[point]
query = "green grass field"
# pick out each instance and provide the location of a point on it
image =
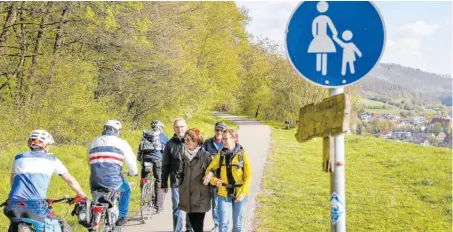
(384, 111)
(390, 186)
(371, 103)
(75, 159)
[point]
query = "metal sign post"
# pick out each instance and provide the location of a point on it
(337, 180)
(334, 44)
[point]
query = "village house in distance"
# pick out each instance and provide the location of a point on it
(417, 129)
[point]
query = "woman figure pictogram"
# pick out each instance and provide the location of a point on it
(322, 43)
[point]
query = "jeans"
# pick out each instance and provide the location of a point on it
(226, 205)
(215, 206)
(34, 212)
(125, 196)
(177, 213)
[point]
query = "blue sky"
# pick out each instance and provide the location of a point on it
(419, 34)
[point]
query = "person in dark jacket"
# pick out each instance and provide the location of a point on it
(171, 166)
(214, 145)
(150, 153)
(194, 196)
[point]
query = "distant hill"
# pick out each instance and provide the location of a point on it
(393, 81)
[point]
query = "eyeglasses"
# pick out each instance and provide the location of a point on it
(226, 139)
(219, 130)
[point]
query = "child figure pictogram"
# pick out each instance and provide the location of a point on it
(349, 51)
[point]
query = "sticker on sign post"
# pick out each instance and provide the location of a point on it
(336, 208)
(335, 44)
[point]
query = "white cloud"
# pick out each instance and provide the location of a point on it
(268, 19)
(418, 29)
(405, 46)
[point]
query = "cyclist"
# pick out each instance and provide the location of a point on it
(30, 177)
(106, 156)
(150, 150)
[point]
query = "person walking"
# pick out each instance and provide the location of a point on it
(171, 166)
(231, 172)
(214, 145)
(194, 196)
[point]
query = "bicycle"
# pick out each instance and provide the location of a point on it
(148, 199)
(31, 225)
(105, 210)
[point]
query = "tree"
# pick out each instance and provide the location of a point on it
(81, 62)
(438, 128)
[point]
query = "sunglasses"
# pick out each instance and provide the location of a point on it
(219, 130)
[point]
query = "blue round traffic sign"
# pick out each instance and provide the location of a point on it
(335, 44)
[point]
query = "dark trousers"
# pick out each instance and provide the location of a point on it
(197, 221)
(157, 173)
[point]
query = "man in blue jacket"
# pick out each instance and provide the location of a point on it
(150, 153)
(107, 154)
(214, 145)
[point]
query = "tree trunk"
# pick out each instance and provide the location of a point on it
(58, 39)
(34, 58)
(10, 19)
(19, 70)
(257, 110)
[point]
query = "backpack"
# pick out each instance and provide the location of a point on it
(151, 141)
(240, 164)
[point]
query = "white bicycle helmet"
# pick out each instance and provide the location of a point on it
(157, 124)
(40, 139)
(115, 124)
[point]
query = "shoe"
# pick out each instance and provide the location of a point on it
(159, 210)
(189, 230)
(215, 229)
(121, 221)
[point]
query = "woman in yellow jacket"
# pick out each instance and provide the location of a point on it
(231, 172)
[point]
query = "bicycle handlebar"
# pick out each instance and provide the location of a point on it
(65, 199)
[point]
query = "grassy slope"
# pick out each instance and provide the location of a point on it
(75, 159)
(372, 103)
(390, 186)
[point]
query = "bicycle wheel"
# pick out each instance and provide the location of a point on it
(146, 202)
(104, 225)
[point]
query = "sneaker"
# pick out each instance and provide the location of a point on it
(121, 221)
(189, 230)
(215, 229)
